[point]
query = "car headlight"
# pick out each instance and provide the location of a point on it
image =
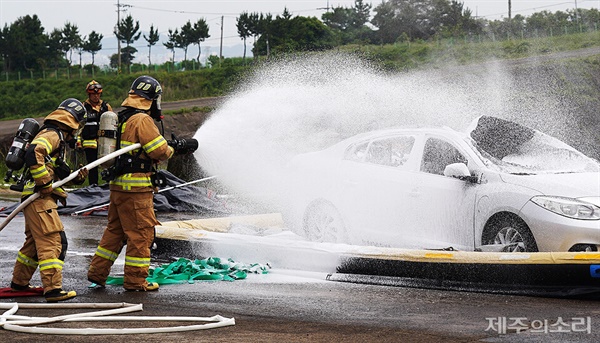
(568, 207)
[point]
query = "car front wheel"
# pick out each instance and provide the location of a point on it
(323, 223)
(512, 234)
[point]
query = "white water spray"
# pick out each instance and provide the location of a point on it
(307, 103)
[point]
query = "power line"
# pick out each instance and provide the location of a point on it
(536, 8)
(181, 12)
(223, 13)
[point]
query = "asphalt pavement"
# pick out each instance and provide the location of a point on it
(299, 304)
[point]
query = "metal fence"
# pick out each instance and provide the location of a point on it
(76, 72)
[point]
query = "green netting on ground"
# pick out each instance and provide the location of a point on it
(187, 271)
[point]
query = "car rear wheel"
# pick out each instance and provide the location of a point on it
(323, 223)
(512, 233)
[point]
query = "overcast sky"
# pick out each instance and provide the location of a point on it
(101, 15)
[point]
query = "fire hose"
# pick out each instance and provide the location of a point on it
(12, 322)
(67, 179)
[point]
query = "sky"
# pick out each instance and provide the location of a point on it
(101, 16)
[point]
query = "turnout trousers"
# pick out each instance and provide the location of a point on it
(45, 245)
(90, 156)
(131, 221)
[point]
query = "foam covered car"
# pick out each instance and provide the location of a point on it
(497, 186)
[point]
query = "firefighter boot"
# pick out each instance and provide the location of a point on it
(59, 294)
(149, 287)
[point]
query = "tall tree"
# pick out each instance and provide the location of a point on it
(254, 27)
(55, 48)
(3, 46)
(200, 34)
(127, 32)
(127, 55)
(302, 34)
(93, 44)
(340, 20)
(71, 40)
(25, 41)
(172, 42)
(265, 27)
(186, 38)
(152, 39)
(80, 50)
(361, 13)
(243, 28)
(419, 19)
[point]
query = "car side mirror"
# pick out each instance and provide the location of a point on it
(459, 171)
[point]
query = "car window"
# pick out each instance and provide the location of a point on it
(357, 152)
(438, 154)
(393, 151)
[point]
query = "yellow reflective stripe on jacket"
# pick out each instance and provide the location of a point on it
(28, 189)
(39, 172)
(128, 180)
(52, 263)
(137, 261)
(26, 260)
(107, 254)
(89, 144)
(154, 144)
(125, 144)
(43, 141)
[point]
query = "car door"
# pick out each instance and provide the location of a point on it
(444, 205)
(376, 189)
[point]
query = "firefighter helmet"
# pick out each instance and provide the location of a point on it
(146, 87)
(93, 87)
(75, 107)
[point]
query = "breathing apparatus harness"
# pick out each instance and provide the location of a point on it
(15, 158)
(127, 163)
(61, 169)
(90, 129)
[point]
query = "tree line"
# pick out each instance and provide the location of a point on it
(24, 45)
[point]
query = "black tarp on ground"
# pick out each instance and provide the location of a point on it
(188, 198)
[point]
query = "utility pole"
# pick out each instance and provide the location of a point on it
(118, 40)
(325, 8)
(117, 30)
(221, 47)
(509, 10)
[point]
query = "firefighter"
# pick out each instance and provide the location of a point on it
(88, 140)
(131, 217)
(45, 240)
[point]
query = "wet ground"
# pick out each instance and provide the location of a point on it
(299, 305)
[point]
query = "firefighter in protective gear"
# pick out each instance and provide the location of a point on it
(88, 139)
(131, 218)
(45, 240)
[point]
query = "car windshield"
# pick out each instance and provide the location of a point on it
(517, 149)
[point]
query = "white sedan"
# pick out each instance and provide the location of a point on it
(499, 186)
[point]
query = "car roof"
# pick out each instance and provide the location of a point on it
(442, 130)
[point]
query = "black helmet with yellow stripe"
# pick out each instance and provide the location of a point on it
(146, 87)
(75, 107)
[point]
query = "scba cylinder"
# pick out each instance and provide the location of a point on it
(15, 158)
(107, 136)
